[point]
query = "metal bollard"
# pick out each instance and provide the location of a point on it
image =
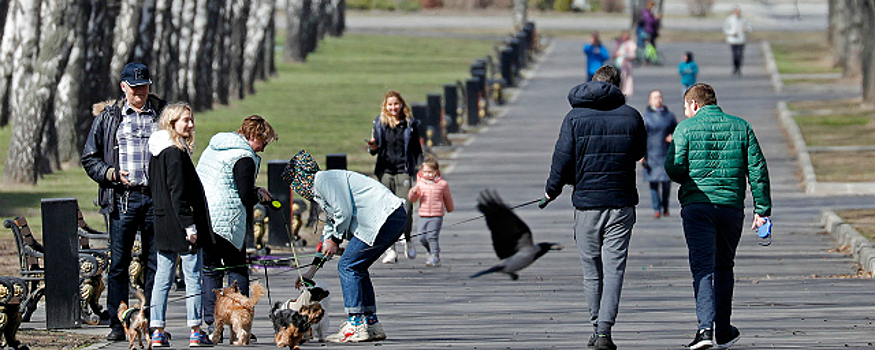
(420, 111)
(472, 88)
(434, 122)
(451, 104)
(507, 66)
(61, 262)
(283, 193)
(335, 161)
(524, 49)
(515, 45)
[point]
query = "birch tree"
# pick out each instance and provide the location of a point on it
(7, 52)
(867, 9)
(67, 106)
(256, 23)
(519, 14)
(124, 37)
(297, 12)
(26, 124)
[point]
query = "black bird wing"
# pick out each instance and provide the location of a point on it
(509, 232)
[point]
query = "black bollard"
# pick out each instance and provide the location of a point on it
(420, 111)
(451, 104)
(279, 236)
(524, 49)
(514, 44)
(472, 88)
(507, 66)
(335, 161)
(61, 262)
(434, 128)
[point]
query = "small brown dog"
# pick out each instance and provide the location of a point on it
(291, 326)
(237, 311)
(135, 322)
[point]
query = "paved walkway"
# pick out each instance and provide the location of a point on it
(785, 297)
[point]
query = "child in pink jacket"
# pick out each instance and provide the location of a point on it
(435, 194)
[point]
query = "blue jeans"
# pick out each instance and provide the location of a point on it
(712, 233)
(358, 292)
(660, 200)
(602, 236)
(133, 213)
(164, 278)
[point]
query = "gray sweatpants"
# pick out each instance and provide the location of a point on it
(429, 230)
(602, 237)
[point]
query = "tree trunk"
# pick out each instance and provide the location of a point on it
(840, 22)
(185, 47)
(520, 15)
(145, 33)
(160, 63)
(7, 52)
(26, 123)
(338, 23)
(220, 54)
(312, 27)
(209, 12)
(293, 49)
(867, 9)
(67, 106)
(239, 14)
(124, 38)
(854, 41)
(267, 66)
(97, 84)
(259, 18)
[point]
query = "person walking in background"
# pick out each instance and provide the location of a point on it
(614, 139)
(395, 141)
(182, 222)
(660, 124)
(711, 156)
(363, 212)
(735, 27)
(228, 168)
(434, 192)
(649, 23)
(116, 156)
(625, 56)
(596, 55)
(688, 69)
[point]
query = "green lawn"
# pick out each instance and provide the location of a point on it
(808, 54)
(325, 105)
(840, 129)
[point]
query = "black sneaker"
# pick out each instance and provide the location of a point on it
(116, 335)
(727, 338)
(604, 342)
(704, 339)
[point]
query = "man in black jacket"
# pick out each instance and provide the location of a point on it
(116, 156)
(600, 141)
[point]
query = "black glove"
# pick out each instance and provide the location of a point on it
(544, 201)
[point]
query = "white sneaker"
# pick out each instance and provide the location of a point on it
(410, 249)
(390, 257)
(375, 331)
(351, 334)
(433, 261)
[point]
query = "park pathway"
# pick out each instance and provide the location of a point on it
(791, 295)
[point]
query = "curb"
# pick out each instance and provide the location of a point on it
(861, 248)
(799, 145)
(97, 346)
(772, 67)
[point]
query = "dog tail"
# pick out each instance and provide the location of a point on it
(141, 297)
(257, 292)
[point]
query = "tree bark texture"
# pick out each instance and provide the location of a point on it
(68, 110)
(854, 41)
(256, 25)
(7, 51)
(294, 47)
(867, 9)
(26, 124)
(520, 15)
(124, 37)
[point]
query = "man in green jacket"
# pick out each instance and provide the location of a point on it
(711, 155)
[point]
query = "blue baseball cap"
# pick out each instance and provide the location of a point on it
(136, 74)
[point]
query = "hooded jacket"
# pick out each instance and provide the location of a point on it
(101, 147)
(180, 205)
(435, 196)
(412, 147)
(600, 141)
(215, 167)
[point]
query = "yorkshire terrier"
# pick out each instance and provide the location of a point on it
(237, 311)
(315, 294)
(291, 327)
(135, 322)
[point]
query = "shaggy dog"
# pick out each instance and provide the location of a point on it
(135, 322)
(237, 311)
(317, 293)
(292, 326)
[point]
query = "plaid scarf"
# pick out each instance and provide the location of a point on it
(299, 174)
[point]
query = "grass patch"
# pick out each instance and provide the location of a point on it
(863, 220)
(833, 105)
(844, 166)
(803, 55)
(841, 129)
(325, 105)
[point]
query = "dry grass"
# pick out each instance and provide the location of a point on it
(49, 340)
(845, 128)
(844, 166)
(863, 220)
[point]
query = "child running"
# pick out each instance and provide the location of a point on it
(435, 194)
(688, 69)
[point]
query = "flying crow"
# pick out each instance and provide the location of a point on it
(511, 237)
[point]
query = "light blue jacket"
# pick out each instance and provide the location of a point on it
(216, 170)
(688, 72)
(356, 205)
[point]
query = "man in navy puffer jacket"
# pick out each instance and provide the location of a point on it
(600, 141)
